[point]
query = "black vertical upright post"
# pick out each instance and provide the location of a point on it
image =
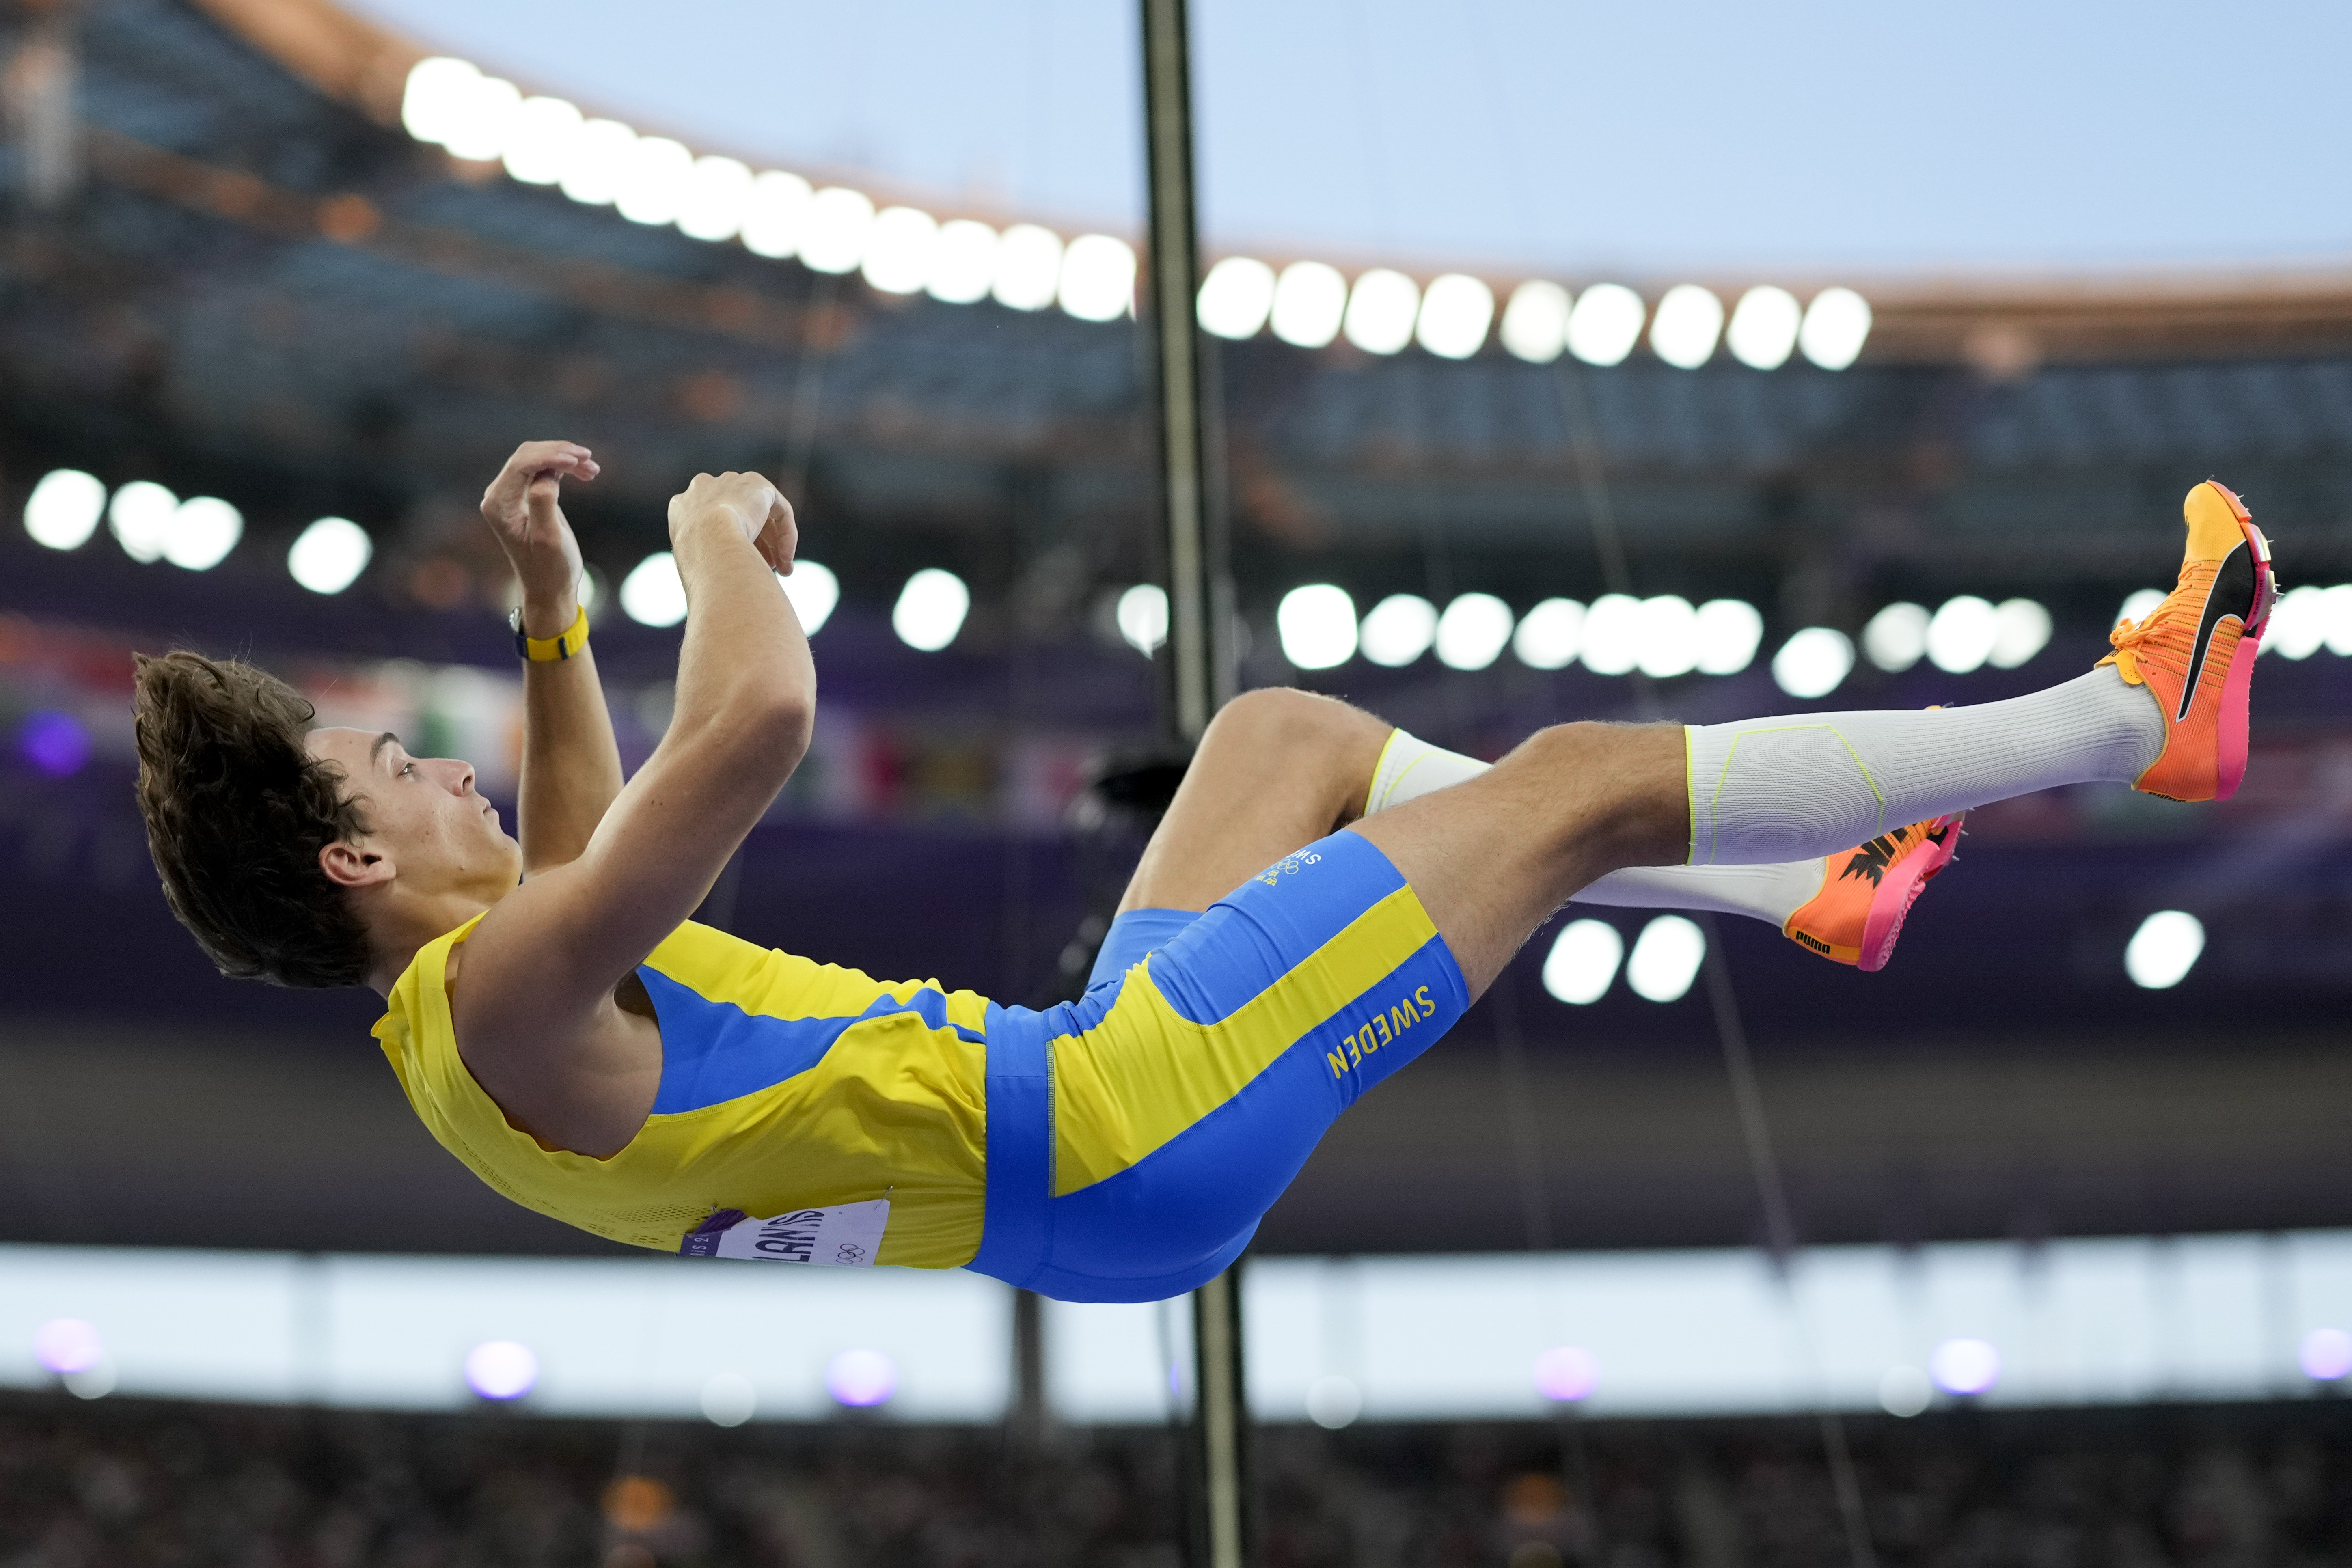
(1195, 681)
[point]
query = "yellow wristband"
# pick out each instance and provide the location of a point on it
(547, 650)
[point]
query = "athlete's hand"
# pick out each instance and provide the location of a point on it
(746, 503)
(524, 509)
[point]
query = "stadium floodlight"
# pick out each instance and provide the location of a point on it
(1455, 312)
(651, 188)
(2140, 604)
(2164, 950)
(899, 250)
(861, 1379)
(1605, 324)
(1583, 961)
(1550, 636)
(2325, 1355)
(479, 118)
(840, 220)
(1316, 625)
(1398, 630)
(1142, 618)
(931, 609)
(1688, 321)
(1964, 1366)
(1097, 278)
(1612, 633)
(140, 518)
(1382, 309)
(2021, 629)
(432, 102)
(1236, 297)
(715, 197)
(65, 508)
(1896, 638)
(2338, 619)
(1567, 1374)
(653, 594)
(814, 591)
(1763, 330)
(328, 557)
(1727, 635)
(1028, 267)
(1334, 1402)
(599, 161)
(541, 139)
(1665, 642)
(2299, 627)
(1837, 323)
(68, 1346)
(1666, 959)
(202, 531)
(963, 265)
(1904, 1391)
(728, 1399)
(1310, 299)
(1961, 634)
(776, 214)
(1813, 663)
(1534, 323)
(501, 1369)
(1473, 630)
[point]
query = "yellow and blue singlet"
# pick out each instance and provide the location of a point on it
(1121, 1147)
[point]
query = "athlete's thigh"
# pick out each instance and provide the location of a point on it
(1276, 771)
(1492, 858)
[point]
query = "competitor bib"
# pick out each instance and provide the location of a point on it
(846, 1236)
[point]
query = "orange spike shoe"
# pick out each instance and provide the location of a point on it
(2195, 653)
(1866, 891)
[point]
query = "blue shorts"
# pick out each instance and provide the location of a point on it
(1137, 1135)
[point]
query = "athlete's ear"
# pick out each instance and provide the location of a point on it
(349, 866)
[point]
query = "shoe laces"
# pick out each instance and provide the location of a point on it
(2165, 633)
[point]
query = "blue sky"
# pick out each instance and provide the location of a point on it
(1810, 138)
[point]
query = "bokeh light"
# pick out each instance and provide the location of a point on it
(1836, 325)
(1316, 625)
(1567, 1374)
(2325, 1355)
(1236, 297)
(1097, 278)
(2164, 950)
(728, 1399)
(931, 609)
(1689, 320)
(1763, 330)
(1896, 638)
(1310, 299)
(68, 1346)
(64, 509)
(815, 591)
(1398, 630)
(1381, 310)
(1455, 313)
(55, 743)
(1583, 961)
(861, 1379)
(1813, 663)
(328, 557)
(501, 1369)
(1550, 634)
(653, 595)
(1473, 631)
(1605, 324)
(1666, 959)
(1534, 323)
(1967, 1367)
(1142, 614)
(1334, 1402)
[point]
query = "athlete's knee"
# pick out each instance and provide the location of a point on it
(1613, 779)
(1280, 718)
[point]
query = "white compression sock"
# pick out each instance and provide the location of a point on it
(1410, 767)
(1792, 788)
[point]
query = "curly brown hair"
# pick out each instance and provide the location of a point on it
(238, 811)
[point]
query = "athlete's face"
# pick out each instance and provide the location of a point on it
(423, 815)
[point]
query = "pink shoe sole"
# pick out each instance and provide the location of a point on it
(1900, 890)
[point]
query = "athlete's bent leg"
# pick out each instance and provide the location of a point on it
(1278, 769)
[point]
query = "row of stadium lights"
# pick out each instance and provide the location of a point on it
(73, 1351)
(1587, 955)
(653, 180)
(1663, 637)
(505, 1371)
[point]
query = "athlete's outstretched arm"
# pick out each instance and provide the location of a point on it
(571, 765)
(536, 1018)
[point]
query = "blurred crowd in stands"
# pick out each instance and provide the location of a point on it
(126, 1484)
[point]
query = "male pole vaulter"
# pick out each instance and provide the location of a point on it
(1324, 898)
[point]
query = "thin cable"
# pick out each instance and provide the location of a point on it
(1731, 1031)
